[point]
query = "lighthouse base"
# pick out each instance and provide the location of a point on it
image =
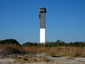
(42, 35)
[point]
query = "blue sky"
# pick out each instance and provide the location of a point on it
(65, 20)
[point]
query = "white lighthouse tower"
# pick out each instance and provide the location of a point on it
(42, 12)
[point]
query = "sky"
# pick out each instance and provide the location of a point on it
(65, 20)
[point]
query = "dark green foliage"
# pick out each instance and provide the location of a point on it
(30, 44)
(9, 41)
(54, 44)
(27, 44)
(47, 44)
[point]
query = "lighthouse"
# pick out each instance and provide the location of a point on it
(42, 12)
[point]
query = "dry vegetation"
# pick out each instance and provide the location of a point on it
(49, 51)
(59, 50)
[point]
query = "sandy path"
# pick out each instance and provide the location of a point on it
(56, 60)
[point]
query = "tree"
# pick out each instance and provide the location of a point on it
(9, 41)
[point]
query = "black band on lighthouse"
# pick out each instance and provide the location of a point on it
(42, 20)
(42, 12)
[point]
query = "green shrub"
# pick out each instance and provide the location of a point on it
(52, 53)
